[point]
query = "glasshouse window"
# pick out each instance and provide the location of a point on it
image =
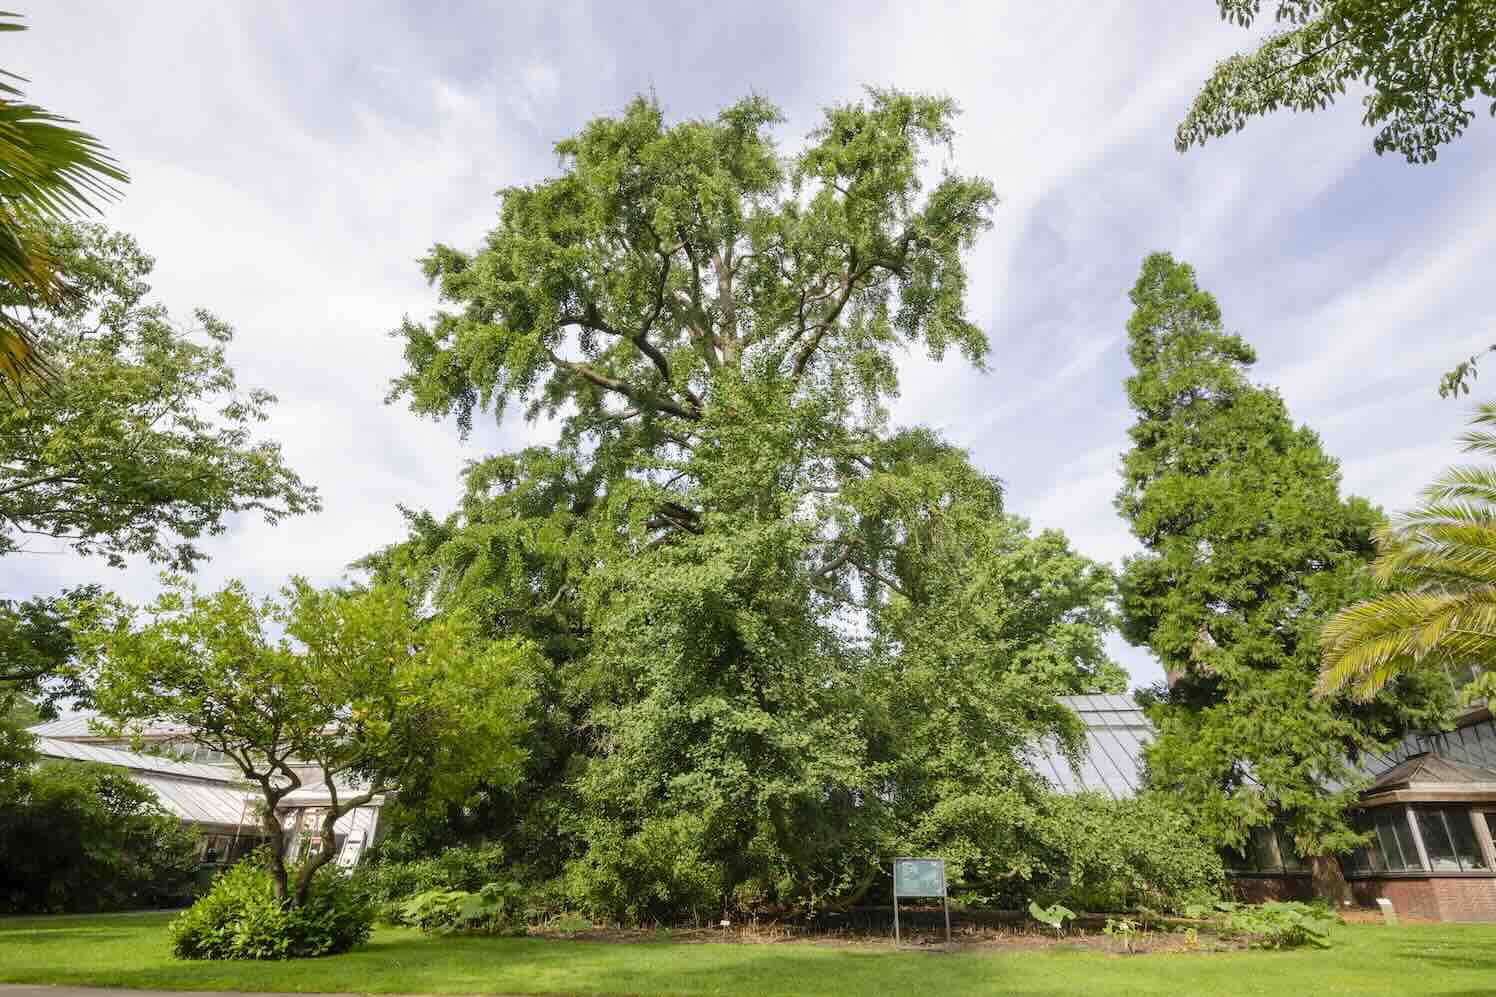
(1449, 838)
(1395, 838)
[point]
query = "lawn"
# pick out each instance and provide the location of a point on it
(131, 951)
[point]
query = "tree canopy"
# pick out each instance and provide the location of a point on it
(1424, 62)
(784, 640)
(1248, 548)
(147, 442)
(354, 683)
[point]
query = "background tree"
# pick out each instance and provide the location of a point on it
(48, 172)
(1436, 566)
(147, 443)
(1248, 550)
(85, 837)
(352, 682)
(1424, 61)
(728, 557)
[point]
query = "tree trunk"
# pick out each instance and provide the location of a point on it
(1329, 880)
(276, 859)
(323, 856)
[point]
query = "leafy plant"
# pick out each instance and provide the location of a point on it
(1055, 916)
(1277, 924)
(490, 910)
(1122, 928)
(241, 918)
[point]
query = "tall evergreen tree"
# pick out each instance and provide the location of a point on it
(1249, 548)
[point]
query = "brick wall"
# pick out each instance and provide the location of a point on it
(1466, 899)
(1444, 898)
(1257, 889)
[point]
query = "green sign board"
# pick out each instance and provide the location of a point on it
(919, 877)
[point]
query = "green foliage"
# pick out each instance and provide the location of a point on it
(1436, 566)
(1099, 854)
(1248, 550)
(1276, 924)
(384, 882)
(783, 642)
(240, 917)
(355, 682)
(664, 871)
(85, 837)
(1424, 61)
(146, 442)
(1055, 916)
(36, 647)
(1123, 928)
(48, 171)
(495, 908)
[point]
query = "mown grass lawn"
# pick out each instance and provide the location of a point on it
(131, 951)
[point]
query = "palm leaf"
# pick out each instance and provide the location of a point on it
(48, 170)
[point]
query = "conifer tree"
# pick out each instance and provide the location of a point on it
(1249, 548)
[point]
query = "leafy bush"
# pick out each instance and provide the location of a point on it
(1096, 853)
(386, 884)
(85, 837)
(658, 873)
(240, 918)
(494, 909)
(1278, 924)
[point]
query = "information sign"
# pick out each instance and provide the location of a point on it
(919, 877)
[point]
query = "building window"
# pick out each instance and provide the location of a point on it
(1449, 838)
(1268, 851)
(1391, 848)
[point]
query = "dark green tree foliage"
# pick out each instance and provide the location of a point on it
(84, 837)
(778, 634)
(36, 646)
(1424, 62)
(1248, 549)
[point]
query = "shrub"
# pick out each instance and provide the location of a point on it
(385, 883)
(240, 918)
(85, 837)
(1099, 854)
(494, 909)
(658, 873)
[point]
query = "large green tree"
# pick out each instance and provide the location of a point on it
(755, 597)
(147, 441)
(1423, 62)
(355, 684)
(1248, 548)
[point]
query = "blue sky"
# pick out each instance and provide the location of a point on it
(291, 161)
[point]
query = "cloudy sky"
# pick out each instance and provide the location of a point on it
(290, 161)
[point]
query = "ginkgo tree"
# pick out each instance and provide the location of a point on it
(354, 683)
(763, 606)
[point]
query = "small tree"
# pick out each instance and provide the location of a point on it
(353, 682)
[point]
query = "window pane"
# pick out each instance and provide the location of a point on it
(1265, 850)
(1291, 860)
(1387, 838)
(1436, 840)
(1466, 845)
(1404, 833)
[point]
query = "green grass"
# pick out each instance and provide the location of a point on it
(131, 951)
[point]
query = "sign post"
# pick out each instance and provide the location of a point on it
(919, 877)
